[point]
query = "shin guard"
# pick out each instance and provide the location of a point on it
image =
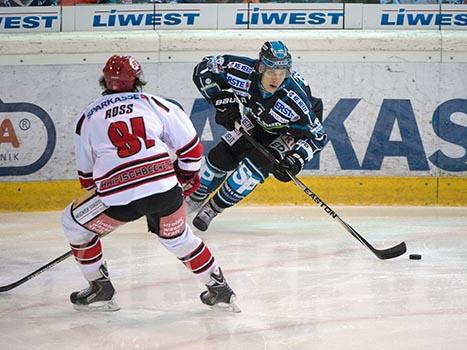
(211, 178)
(238, 185)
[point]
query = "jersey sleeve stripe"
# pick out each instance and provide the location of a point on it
(160, 104)
(79, 124)
(188, 147)
(87, 183)
(192, 152)
(84, 175)
(86, 180)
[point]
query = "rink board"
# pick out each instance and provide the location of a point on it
(340, 190)
(395, 109)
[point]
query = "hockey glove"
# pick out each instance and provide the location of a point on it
(188, 179)
(292, 163)
(227, 109)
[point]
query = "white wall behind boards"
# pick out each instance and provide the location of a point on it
(395, 102)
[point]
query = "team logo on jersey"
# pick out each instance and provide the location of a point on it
(214, 63)
(277, 117)
(284, 109)
(244, 94)
(298, 101)
(297, 76)
(271, 127)
(238, 83)
(241, 67)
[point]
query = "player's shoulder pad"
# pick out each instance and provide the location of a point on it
(87, 113)
(298, 96)
(167, 104)
(240, 64)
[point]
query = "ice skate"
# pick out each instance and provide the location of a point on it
(219, 294)
(192, 205)
(99, 296)
(204, 217)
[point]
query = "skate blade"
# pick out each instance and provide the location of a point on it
(99, 306)
(232, 307)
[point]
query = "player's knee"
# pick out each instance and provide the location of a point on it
(253, 170)
(183, 244)
(220, 156)
(242, 181)
(170, 225)
(258, 163)
(68, 224)
(75, 233)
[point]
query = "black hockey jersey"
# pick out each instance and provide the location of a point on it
(288, 110)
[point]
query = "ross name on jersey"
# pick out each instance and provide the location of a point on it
(117, 110)
(110, 101)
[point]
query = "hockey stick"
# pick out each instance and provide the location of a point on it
(35, 273)
(382, 254)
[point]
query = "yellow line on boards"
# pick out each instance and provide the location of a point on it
(337, 190)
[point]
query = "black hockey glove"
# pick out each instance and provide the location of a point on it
(292, 163)
(227, 109)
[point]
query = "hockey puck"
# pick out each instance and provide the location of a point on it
(415, 257)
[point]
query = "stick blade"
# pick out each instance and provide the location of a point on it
(8, 287)
(392, 252)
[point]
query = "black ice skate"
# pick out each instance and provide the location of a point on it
(204, 217)
(99, 296)
(192, 205)
(219, 294)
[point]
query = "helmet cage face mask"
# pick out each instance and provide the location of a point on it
(121, 72)
(275, 55)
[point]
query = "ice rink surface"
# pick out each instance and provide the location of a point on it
(303, 282)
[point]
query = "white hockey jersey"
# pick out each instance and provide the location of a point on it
(122, 144)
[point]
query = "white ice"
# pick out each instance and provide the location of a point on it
(303, 282)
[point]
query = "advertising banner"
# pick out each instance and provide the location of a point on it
(415, 16)
(169, 16)
(397, 119)
(291, 16)
(30, 19)
(145, 17)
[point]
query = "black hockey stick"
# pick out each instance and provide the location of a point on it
(35, 273)
(383, 254)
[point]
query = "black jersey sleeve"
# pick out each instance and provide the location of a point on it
(216, 73)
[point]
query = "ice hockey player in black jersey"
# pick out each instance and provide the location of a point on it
(274, 104)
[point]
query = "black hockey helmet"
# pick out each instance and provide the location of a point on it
(274, 55)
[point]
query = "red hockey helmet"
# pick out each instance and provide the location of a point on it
(120, 73)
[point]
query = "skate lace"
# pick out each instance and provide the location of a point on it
(220, 293)
(85, 291)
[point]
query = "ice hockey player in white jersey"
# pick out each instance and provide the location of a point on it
(284, 117)
(122, 144)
